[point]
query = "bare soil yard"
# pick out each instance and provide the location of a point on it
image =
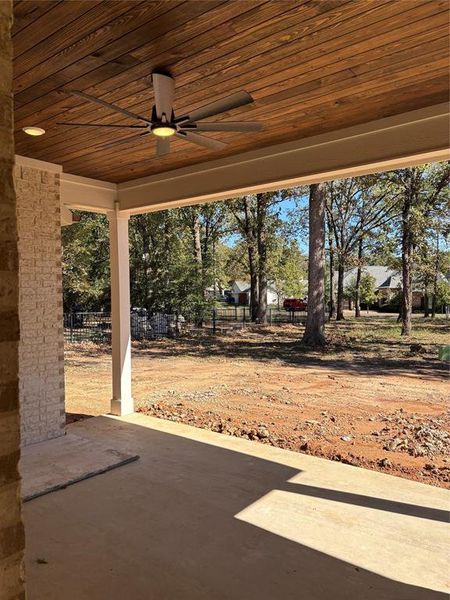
(370, 398)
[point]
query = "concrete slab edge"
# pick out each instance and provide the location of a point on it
(94, 473)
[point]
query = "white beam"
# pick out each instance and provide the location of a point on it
(122, 401)
(393, 142)
(83, 193)
(67, 217)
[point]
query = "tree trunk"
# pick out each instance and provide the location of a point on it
(262, 201)
(331, 304)
(426, 308)
(315, 319)
(198, 256)
(340, 290)
(406, 311)
(253, 282)
(196, 235)
(252, 260)
(434, 298)
(358, 281)
(435, 280)
(146, 254)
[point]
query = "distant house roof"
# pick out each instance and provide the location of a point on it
(240, 286)
(385, 277)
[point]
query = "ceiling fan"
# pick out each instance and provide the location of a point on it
(164, 124)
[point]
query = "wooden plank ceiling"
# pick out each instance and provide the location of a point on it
(311, 65)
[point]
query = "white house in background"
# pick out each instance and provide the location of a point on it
(215, 291)
(240, 292)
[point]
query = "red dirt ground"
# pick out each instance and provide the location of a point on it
(367, 399)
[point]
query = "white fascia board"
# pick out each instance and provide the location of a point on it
(408, 139)
(83, 193)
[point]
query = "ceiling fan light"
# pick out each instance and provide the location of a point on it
(163, 130)
(34, 131)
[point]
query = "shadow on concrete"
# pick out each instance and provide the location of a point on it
(402, 508)
(165, 528)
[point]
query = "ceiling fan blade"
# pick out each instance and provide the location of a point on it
(201, 140)
(220, 106)
(102, 125)
(162, 146)
(164, 88)
(226, 126)
(127, 140)
(113, 107)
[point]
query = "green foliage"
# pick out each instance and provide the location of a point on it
(288, 268)
(176, 258)
(231, 263)
(86, 264)
(424, 190)
(443, 293)
(367, 290)
(163, 271)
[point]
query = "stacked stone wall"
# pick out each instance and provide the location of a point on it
(41, 347)
(11, 528)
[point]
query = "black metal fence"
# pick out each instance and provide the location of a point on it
(87, 327)
(241, 314)
(96, 326)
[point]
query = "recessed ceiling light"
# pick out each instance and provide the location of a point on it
(34, 130)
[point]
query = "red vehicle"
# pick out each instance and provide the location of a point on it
(293, 304)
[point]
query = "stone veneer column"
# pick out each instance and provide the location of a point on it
(11, 528)
(41, 348)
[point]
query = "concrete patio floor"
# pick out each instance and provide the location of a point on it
(208, 517)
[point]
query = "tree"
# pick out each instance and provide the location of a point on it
(356, 208)
(315, 320)
(431, 259)
(358, 280)
(287, 267)
(85, 262)
(423, 190)
(257, 219)
(204, 224)
(363, 290)
(177, 256)
(331, 265)
(162, 270)
(231, 262)
(244, 214)
(262, 204)
(367, 291)
(443, 293)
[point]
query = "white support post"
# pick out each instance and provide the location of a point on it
(122, 401)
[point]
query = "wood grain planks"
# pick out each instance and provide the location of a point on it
(310, 66)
